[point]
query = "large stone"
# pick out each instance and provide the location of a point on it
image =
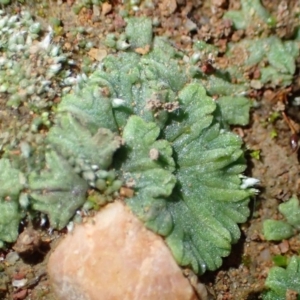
(113, 256)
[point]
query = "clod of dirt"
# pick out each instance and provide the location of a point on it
(28, 242)
(115, 256)
(167, 7)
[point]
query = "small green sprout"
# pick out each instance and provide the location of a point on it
(246, 260)
(272, 22)
(255, 154)
(280, 260)
(273, 117)
(273, 133)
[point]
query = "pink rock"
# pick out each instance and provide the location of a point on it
(113, 256)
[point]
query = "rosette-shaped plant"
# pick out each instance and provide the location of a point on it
(177, 155)
(144, 122)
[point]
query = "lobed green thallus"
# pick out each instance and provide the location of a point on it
(146, 122)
